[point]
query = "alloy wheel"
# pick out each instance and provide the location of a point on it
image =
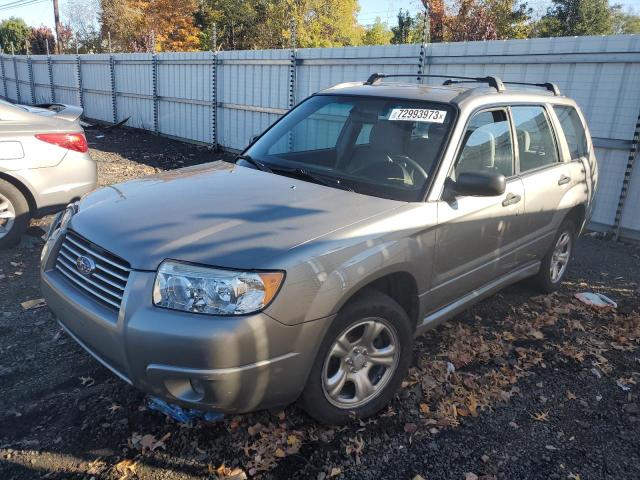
(560, 256)
(360, 363)
(7, 216)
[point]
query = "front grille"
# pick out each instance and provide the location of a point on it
(108, 280)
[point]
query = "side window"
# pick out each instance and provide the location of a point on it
(487, 145)
(573, 131)
(536, 143)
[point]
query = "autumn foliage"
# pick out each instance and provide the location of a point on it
(138, 25)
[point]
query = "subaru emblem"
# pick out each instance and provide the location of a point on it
(85, 265)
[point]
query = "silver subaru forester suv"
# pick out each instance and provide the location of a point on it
(369, 213)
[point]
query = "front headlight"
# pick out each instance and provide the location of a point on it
(191, 288)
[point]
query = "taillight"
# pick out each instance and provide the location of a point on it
(71, 141)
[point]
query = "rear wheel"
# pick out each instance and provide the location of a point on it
(14, 214)
(361, 361)
(556, 261)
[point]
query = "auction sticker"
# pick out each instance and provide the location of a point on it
(418, 115)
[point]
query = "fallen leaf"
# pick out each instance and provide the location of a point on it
(334, 472)
(280, 453)
(470, 476)
(410, 427)
(125, 467)
(33, 304)
(570, 395)
(424, 408)
(236, 473)
(541, 416)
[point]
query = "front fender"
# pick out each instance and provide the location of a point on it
(331, 270)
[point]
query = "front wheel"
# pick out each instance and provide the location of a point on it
(556, 261)
(361, 362)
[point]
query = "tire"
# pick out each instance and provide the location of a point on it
(370, 315)
(14, 215)
(545, 280)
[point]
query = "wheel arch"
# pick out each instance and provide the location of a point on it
(577, 215)
(24, 190)
(401, 286)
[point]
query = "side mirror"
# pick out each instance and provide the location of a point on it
(480, 184)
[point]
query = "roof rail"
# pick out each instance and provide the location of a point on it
(494, 82)
(552, 87)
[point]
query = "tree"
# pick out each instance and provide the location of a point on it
(14, 31)
(511, 18)
(576, 17)
(472, 21)
(624, 22)
(436, 19)
(82, 17)
(377, 34)
(136, 25)
(39, 39)
(251, 24)
(407, 30)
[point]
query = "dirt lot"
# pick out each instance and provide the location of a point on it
(521, 386)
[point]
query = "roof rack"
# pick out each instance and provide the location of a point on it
(492, 81)
(552, 87)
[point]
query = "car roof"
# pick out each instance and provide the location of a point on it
(456, 93)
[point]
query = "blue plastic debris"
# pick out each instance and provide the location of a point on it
(182, 415)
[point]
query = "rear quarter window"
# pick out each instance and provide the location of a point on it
(573, 130)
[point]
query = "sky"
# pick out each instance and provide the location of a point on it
(40, 12)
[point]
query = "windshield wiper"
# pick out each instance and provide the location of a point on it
(259, 165)
(303, 174)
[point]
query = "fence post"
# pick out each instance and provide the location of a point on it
(79, 75)
(31, 84)
(15, 75)
(633, 152)
(214, 92)
(154, 86)
(112, 71)
(292, 67)
(52, 88)
(292, 76)
(4, 76)
(422, 61)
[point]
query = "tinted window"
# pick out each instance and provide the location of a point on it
(487, 145)
(573, 131)
(536, 144)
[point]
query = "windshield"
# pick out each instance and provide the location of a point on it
(376, 146)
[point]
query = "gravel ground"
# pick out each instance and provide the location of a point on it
(521, 386)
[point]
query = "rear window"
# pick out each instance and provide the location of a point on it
(573, 130)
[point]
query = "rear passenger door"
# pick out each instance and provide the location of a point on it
(577, 146)
(545, 177)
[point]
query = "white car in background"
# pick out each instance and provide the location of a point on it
(44, 164)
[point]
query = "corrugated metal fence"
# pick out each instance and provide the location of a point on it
(224, 98)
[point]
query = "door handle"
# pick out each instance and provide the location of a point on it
(564, 180)
(511, 199)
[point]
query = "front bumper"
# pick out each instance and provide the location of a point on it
(228, 364)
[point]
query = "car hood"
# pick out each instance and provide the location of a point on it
(217, 214)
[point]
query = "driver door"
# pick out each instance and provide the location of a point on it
(477, 237)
